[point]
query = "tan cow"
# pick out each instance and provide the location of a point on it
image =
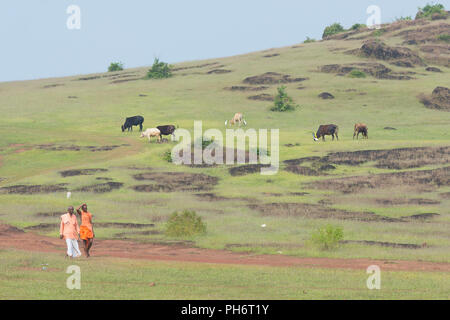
(237, 119)
(152, 132)
(360, 128)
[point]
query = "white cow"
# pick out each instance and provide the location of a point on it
(152, 132)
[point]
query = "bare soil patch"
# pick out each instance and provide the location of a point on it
(175, 181)
(218, 71)
(315, 211)
(54, 147)
(433, 69)
(421, 180)
(413, 201)
(326, 95)
(124, 225)
(101, 187)
(304, 171)
(81, 172)
(196, 66)
(125, 80)
(272, 78)
(53, 85)
(385, 244)
(183, 251)
(33, 189)
(271, 55)
(246, 88)
(211, 197)
(425, 34)
(262, 97)
(374, 69)
(439, 99)
(421, 216)
(381, 51)
(389, 128)
(246, 169)
(402, 158)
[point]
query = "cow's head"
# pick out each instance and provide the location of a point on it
(142, 135)
(123, 128)
(316, 136)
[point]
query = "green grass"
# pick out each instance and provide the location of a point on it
(34, 115)
(22, 277)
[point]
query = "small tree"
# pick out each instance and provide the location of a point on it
(185, 224)
(357, 26)
(328, 237)
(309, 40)
(431, 9)
(282, 101)
(333, 29)
(159, 70)
(115, 66)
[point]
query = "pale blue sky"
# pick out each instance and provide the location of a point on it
(35, 41)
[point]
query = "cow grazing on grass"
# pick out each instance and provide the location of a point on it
(360, 128)
(326, 129)
(167, 130)
(133, 121)
(237, 119)
(152, 132)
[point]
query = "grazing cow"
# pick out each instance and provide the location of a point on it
(360, 128)
(237, 118)
(133, 121)
(152, 132)
(326, 129)
(166, 130)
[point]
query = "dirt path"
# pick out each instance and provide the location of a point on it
(11, 237)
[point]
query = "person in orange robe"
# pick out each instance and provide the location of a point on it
(86, 228)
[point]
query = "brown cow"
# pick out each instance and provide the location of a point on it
(360, 128)
(237, 118)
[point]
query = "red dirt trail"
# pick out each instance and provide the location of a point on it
(11, 237)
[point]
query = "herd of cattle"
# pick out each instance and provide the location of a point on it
(324, 130)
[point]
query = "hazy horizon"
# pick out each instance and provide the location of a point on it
(38, 44)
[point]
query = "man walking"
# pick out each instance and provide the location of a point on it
(69, 231)
(86, 228)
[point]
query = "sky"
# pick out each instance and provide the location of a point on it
(35, 41)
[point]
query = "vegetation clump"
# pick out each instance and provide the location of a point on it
(159, 70)
(432, 11)
(332, 29)
(355, 73)
(357, 26)
(115, 66)
(185, 224)
(282, 101)
(328, 237)
(309, 40)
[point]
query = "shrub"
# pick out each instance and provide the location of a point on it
(357, 26)
(431, 9)
(282, 101)
(168, 156)
(185, 224)
(378, 32)
(403, 18)
(444, 37)
(115, 66)
(309, 40)
(159, 70)
(328, 237)
(355, 73)
(333, 29)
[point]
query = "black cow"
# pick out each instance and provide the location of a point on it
(326, 129)
(133, 121)
(166, 130)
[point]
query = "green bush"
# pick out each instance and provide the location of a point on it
(115, 66)
(185, 224)
(168, 156)
(357, 26)
(378, 32)
(282, 101)
(328, 237)
(159, 70)
(309, 40)
(431, 9)
(403, 18)
(355, 73)
(333, 29)
(444, 37)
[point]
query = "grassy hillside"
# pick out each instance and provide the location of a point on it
(53, 125)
